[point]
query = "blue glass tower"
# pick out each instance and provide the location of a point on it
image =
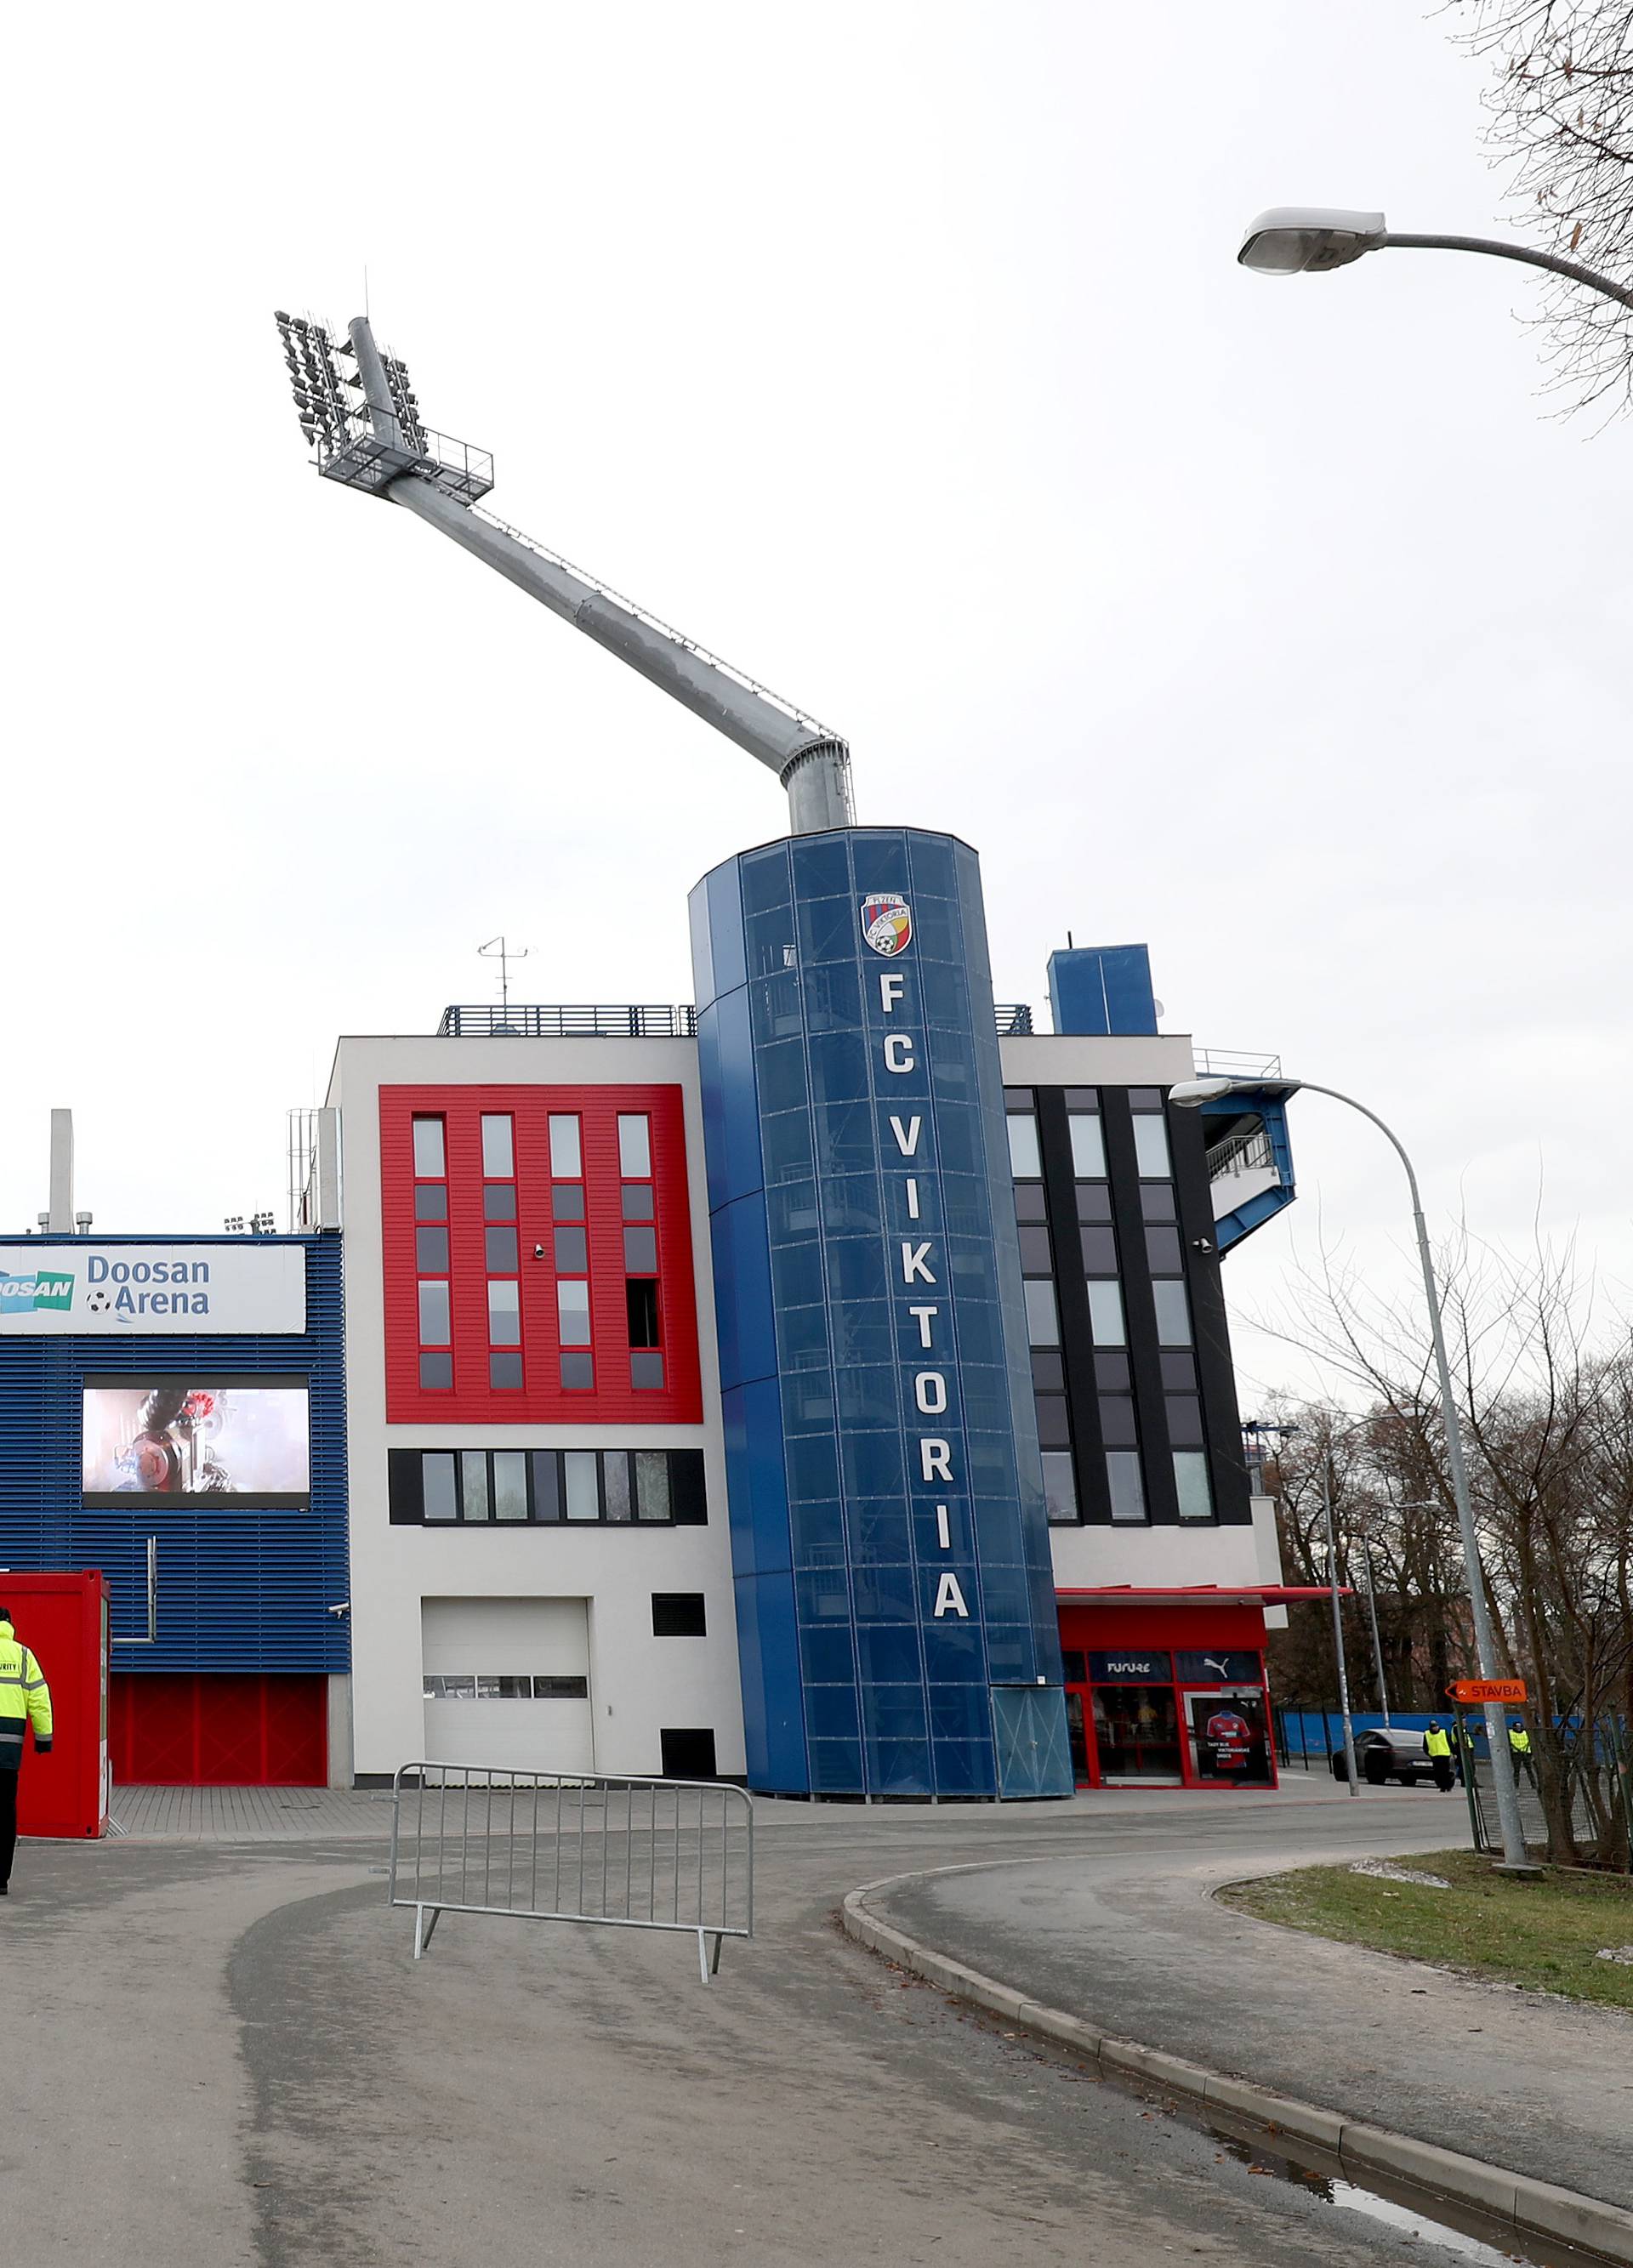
(895, 1596)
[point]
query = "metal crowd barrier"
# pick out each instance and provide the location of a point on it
(668, 1854)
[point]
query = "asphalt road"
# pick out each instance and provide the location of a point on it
(1132, 1941)
(222, 2054)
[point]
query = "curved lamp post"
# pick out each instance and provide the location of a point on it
(1308, 240)
(1189, 1094)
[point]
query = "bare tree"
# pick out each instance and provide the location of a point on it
(1560, 126)
(1547, 1422)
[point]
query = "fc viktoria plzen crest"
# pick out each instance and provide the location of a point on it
(887, 923)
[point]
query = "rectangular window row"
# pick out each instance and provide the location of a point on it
(479, 1688)
(479, 1487)
(568, 1250)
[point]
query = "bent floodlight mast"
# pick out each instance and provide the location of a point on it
(361, 414)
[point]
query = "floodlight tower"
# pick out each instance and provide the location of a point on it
(360, 412)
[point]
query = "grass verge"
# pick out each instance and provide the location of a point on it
(1544, 1936)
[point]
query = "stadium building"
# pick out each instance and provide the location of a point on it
(826, 1385)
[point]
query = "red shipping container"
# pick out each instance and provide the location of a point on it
(63, 1621)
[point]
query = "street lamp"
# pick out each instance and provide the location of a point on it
(1308, 239)
(1191, 1095)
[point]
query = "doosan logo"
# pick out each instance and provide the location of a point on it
(42, 1292)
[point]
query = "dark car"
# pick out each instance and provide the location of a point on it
(1384, 1755)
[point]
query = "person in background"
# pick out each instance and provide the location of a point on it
(1519, 1749)
(24, 1700)
(1437, 1749)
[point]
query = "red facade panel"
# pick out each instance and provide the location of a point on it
(201, 1730)
(542, 1397)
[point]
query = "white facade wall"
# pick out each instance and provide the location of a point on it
(638, 1684)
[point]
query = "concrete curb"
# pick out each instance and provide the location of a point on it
(1519, 2198)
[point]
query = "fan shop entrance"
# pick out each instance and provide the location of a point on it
(1140, 1714)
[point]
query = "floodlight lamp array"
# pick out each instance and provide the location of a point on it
(405, 404)
(321, 387)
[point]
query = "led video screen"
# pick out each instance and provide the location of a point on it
(197, 1438)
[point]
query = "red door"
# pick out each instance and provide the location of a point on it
(196, 1729)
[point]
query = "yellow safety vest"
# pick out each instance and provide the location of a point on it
(24, 1700)
(1436, 1744)
(1520, 1740)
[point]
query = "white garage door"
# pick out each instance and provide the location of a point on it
(507, 1683)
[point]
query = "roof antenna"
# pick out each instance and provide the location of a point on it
(496, 949)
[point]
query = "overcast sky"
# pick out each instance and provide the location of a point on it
(897, 352)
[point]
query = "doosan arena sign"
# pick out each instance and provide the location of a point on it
(81, 1289)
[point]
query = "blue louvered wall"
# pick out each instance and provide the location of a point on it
(238, 1588)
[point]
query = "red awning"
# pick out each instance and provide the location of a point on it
(1200, 1595)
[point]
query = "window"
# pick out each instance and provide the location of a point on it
(504, 1372)
(566, 1204)
(1178, 1372)
(637, 1200)
(572, 1251)
(1196, 1496)
(1162, 1251)
(1099, 1249)
(1184, 1421)
(1105, 1312)
(431, 1201)
(678, 1614)
(640, 1252)
(1151, 1149)
(1088, 1148)
(1053, 1432)
(1036, 1256)
(546, 1465)
(1043, 1322)
(573, 1313)
(646, 1370)
(1060, 1486)
(431, 1251)
(499, 1201)
(1157, 1200)
(509, 1493)
(566, 1162)
(1029, 1201)
(1025, 1160)
(480, 1487)
(1118, 1428)
(652, 1485)
(501, 1250)
(498, 1155)
(1173, 1314)
(442, 1498)
(578, 1373)
(1049, 1371)
(1122, 1473)
(504, 1312)
(634, 1147)
(482, 1687)
(436, 1371)
(579, 1471)
(430, 1157)
(641, 1299)
(1111, 1372)
(434, 1314)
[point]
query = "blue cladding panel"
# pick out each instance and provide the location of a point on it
(858, 1168)
(1102, 990)
(239, 1588)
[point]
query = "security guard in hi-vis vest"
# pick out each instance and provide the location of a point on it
(1437, 1749)
(24, 1700)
